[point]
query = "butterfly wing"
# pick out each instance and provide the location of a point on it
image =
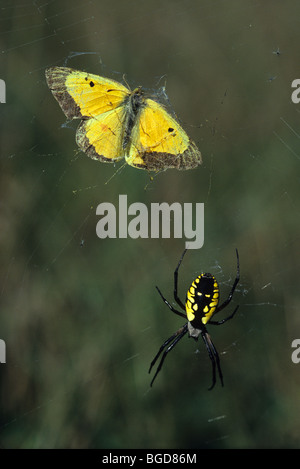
(101, 137)
(84, 95)
(101, 103)
(158, 142)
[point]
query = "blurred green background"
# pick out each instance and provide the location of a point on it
(80, 316)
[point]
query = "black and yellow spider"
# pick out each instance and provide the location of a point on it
(201, 304)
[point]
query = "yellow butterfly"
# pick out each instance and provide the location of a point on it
(118, 123)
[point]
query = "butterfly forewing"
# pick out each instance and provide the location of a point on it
(82, 94)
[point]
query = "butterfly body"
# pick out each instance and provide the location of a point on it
(134, 103)
(118, 123)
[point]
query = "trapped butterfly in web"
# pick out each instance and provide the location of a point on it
(117, 123)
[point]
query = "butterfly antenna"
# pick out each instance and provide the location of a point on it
(159, 80)
(125, 81)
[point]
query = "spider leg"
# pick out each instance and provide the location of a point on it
(169, 305)
(214, 357)
(161, 349)
(175, 338)
(237, 278)
(218, 323)
(176, 297)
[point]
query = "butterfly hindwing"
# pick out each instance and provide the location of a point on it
(101, 137)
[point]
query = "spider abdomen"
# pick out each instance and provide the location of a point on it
(202, 299)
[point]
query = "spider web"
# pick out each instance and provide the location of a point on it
(80, 316)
